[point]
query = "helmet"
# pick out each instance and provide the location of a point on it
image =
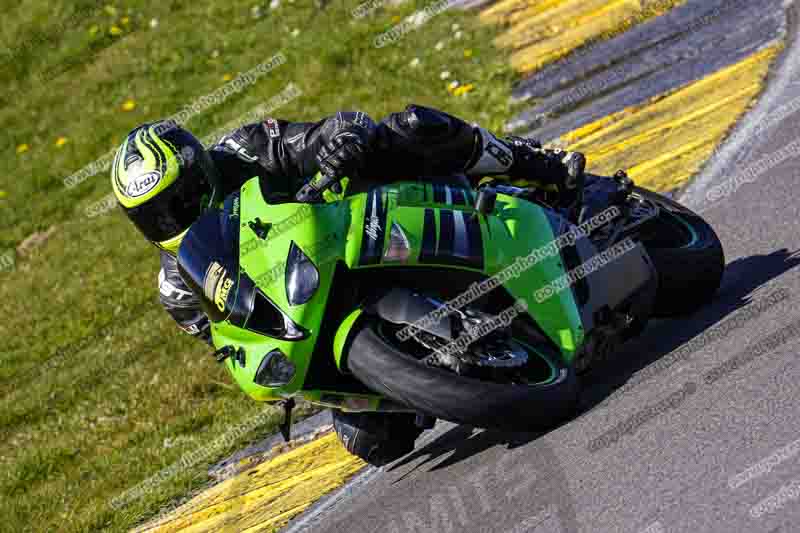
(164, 179)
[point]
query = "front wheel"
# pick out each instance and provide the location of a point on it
(545, 395)
(686, 253)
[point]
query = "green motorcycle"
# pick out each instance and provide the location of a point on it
(397, 304)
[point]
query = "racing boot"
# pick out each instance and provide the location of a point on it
(542, 169)
(559, 169)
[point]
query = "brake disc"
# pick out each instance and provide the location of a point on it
(503, 354)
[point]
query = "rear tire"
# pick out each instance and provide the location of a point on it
(446, 395)
(688, 275)
(377, 438)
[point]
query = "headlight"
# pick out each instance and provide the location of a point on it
(275, 370)
(268, 319)
(302, 277)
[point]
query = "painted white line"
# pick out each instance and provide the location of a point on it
(743, 135)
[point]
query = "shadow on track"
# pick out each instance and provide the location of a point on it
(546, 484)
(534, 480)
(742, 280)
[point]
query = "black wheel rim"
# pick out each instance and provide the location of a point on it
(539, 371)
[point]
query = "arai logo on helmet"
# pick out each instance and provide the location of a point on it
(143, 184)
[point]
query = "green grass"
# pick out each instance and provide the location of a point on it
(95, 379)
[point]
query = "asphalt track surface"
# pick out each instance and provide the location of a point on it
(685, 44)
(693, 427)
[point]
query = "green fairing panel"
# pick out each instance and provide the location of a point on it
(341, 336)
(406, 224)
(517, 228)
(447, 232)
(319, 231)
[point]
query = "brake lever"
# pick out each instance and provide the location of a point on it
(308, 194)
(312, 191)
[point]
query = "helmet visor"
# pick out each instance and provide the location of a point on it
(172, 210)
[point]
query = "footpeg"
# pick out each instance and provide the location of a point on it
(424, 421)
(625, 183)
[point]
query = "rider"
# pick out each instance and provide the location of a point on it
(164, 178)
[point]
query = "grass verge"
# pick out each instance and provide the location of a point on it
(98, 389)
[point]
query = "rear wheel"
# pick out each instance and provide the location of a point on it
(533, 395)
(687, 255)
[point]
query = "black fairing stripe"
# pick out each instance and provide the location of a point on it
(459, 198)
(475, 241)
(448, 229)
(439, 193)
(572, 260)
(428, 237)
(445, 254)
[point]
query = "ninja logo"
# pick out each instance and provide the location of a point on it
(373, 227)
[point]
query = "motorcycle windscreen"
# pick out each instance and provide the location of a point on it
(208, 261)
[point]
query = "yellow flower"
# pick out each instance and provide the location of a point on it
(61, 141)
(468, 53)
(115, 30)
(125, 21)
(3, 194)
(129, 105)
(227, 77)
(22, 148)
(396, 19)
(464, 89)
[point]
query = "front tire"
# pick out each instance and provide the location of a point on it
(687, 255)
(389, 371)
